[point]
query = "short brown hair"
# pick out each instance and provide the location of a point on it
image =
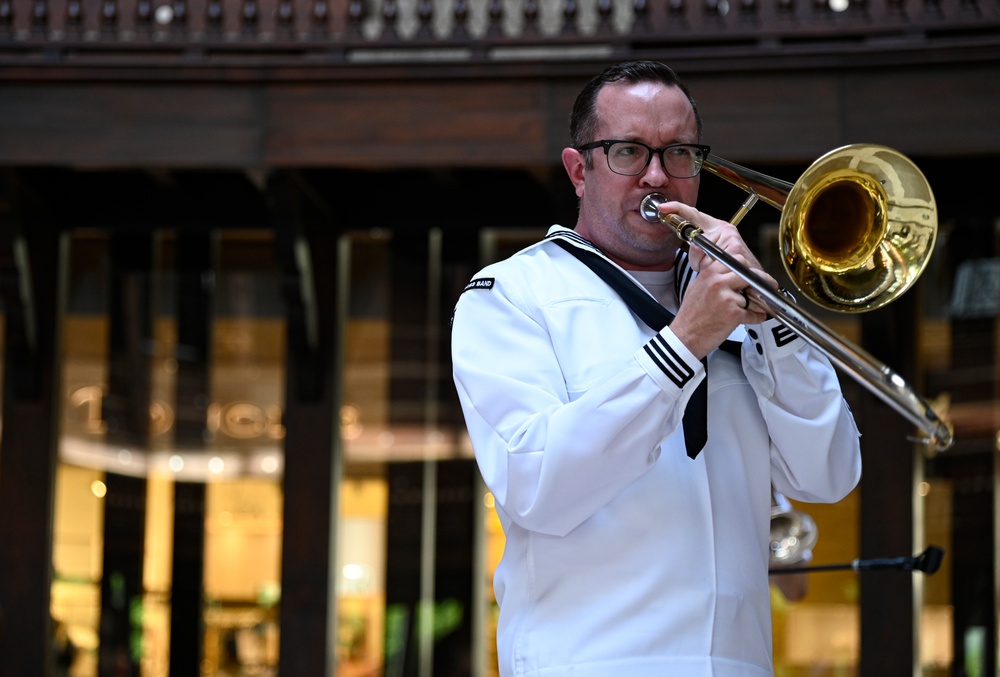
(583, 119)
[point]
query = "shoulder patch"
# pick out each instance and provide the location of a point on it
(480, 283)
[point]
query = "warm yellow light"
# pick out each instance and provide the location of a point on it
(99, 488)
(353, 572)
(269, 464)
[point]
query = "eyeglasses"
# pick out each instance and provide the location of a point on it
(630, 158)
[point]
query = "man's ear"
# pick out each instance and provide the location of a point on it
(575, 164)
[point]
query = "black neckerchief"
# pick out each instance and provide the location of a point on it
(656, 318)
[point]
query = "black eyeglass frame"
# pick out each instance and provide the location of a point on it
(607, 143)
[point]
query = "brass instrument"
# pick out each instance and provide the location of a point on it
(856, 231)
(793, 533)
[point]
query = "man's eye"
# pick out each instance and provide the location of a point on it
(626, 151)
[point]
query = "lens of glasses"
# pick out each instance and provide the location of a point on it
(680, 161)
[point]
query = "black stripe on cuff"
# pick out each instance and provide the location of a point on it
(669, 362)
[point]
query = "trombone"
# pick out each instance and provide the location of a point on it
(856, 231)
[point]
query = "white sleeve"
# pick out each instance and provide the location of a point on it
(815, 449)
(550, 458)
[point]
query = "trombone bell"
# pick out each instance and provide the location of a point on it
(857, 229)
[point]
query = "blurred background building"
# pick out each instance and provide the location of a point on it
(231, 236)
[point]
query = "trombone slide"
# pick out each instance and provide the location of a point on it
(874, 375)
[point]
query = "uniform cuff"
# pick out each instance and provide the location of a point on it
(772, 339)
(670, 363)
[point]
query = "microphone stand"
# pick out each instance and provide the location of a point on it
(929, 561)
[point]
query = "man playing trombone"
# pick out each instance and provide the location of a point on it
(637, 528)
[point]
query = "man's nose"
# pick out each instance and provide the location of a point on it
(655, 174)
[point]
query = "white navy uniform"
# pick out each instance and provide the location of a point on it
(623, 555)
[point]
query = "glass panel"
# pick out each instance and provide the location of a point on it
(406, 496)
(241, 459)
(368, 441)
(76, 558)
(936, 619)
(235, 453)
(361, 549)
(78, 530)
(367, 349)
(960, 336)
(242, 575)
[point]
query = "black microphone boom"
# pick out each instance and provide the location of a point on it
(929, 561)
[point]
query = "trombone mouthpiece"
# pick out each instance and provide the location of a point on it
(648, 207)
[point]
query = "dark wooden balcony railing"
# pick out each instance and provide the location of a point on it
(191, 33)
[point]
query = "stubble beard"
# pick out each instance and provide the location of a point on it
(654, 245)
(630, 240)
